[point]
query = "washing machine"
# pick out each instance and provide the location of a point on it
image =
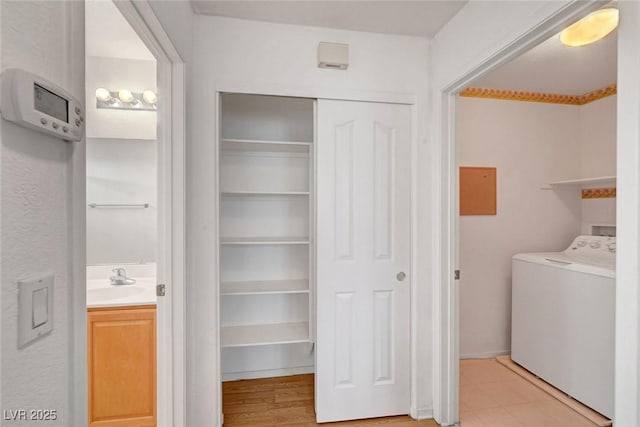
(562, 324)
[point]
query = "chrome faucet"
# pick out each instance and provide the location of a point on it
(121, 278)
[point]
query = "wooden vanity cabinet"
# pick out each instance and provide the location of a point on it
(121, 364)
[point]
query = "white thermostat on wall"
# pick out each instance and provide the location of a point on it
(35, 103)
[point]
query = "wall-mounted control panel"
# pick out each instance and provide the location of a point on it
(35, 308)
(35, 103)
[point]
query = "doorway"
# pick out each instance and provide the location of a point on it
(543, 129)
(135, 191)
(283, 309)
(448, 103)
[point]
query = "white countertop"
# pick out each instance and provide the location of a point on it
(100, 292)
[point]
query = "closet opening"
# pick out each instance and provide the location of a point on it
(536, 174)
(314, 259)
(266, 248)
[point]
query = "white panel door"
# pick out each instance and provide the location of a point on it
(363, 243)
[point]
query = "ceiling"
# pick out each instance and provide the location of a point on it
(109, 35)
(552, 67)
(413, 18)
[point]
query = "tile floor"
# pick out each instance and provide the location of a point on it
(493, 396)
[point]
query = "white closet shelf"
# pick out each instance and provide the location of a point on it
(263, 193)
(265, 287)
(261, 141)
(264, 241)
(254, 335)
(583, 182)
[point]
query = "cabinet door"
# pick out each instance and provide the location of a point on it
(363, 282)
(122, 367)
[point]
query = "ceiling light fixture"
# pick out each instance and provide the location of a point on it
(149, 96)
(591, 28)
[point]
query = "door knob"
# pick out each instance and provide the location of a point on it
(401, 276)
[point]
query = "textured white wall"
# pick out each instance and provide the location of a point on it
(531, 144)
(257, 52)
(36, 214)
(115, 74)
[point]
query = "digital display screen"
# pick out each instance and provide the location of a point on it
(49, 103)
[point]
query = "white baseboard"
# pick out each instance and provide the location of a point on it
(268, 373)
(487, 355)
(424, 414)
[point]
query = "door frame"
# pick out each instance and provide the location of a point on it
(446, 315)
(171, 345)
(318, 93)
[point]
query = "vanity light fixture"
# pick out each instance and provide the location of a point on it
(591, 28)
(125, 99)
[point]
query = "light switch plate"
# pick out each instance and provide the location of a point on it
(35, 308)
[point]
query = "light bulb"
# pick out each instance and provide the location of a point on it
(103, 94)
(125, 95)
(149, 97)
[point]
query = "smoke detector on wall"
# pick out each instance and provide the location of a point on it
(333, 56)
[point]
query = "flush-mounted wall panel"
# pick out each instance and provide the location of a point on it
(478, 192)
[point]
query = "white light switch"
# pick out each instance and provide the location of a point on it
(35, 308)
(39, 315)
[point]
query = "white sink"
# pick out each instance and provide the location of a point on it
(114, 292)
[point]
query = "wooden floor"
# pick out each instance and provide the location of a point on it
(286, 401)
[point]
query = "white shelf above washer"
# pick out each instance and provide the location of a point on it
(265, 287)
(585, 182)
(270, 334)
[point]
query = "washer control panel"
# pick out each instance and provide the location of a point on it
(592, 245)
(36, 103)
